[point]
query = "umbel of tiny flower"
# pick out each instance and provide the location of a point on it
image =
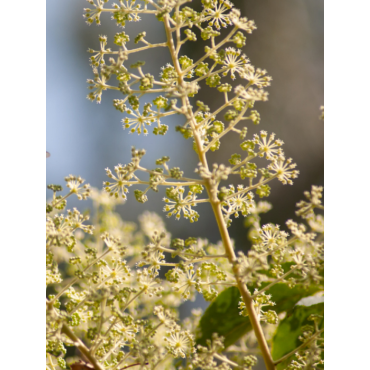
(74, 183)
(121, 180)
(180, 343)
(314, 201)
(284, 170)
(76, 220)
(177, 204)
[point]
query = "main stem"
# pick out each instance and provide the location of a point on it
(81, 346)
(216, 207)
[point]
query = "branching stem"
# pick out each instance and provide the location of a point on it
(215, 203)
(81, 346)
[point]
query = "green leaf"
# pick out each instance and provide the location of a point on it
(222, 315)
(289, 329)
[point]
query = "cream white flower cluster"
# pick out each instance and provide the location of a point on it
(113, 296)
(180, 80)
(113, 289)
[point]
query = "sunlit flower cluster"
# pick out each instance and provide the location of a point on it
(121, 181)
(176, 204)
(114, 288)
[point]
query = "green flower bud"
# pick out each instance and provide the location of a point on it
(160, 102)
(263, 191)
(248, 171)
(214, 80)
(235, 159)
(139, 37)
(247, 145)
(239, 39)
(201, 69)
(121, 38)
(140, 196)
(134, 102)
(146, 82)
(225, 88)
(230, 115)
(161, 130)
(190, 35)
(209, 32)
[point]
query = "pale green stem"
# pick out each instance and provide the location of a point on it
(51, 362)
(225, 359)
(178, 38)
(160, 115)
(141, 72)
(166, 249)
(81, 346)
(154, 4)
(198, 201)
(63, 198)
(150, 46)
(216, 206)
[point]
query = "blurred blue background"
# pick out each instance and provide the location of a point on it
(84, 137)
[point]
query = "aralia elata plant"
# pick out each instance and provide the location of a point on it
(106, 295)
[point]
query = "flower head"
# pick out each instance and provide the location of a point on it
(269, 147)
(176, 203)
(180, 343)
(234, 63)
(284, 169)
(218, 13)
(121, 180)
